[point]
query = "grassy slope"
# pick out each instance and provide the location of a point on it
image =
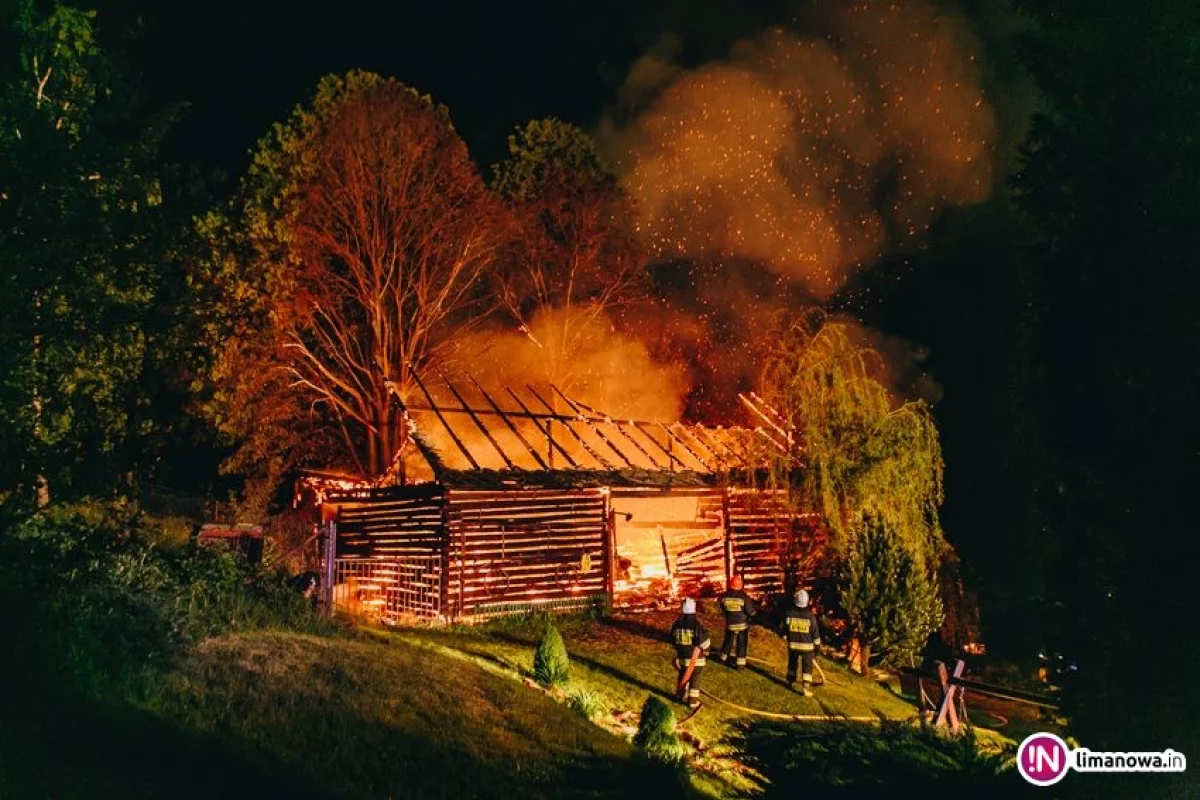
(281, 714)
(358, 718)
(417, 713)
(625, 658)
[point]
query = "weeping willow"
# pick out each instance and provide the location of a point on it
(853, 450)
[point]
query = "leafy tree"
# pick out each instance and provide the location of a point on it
(889, 596)
(576, 256)
(1108, 180)
(858, 451)
(353, 256)
(84, 228)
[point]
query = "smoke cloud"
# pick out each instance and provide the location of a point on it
(811, 154)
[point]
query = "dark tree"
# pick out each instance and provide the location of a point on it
(86, 236)
(1109, 180)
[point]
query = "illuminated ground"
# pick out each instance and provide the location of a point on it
(434, 712)
(625, 658)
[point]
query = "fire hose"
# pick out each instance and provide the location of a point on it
(789, 717)
(816, 664)
(687, 673)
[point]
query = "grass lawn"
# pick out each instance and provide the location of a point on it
(276, 714)
(624, 658)
(443, 712)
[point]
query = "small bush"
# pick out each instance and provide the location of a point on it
(656, 733)
(585, 703)
(551, 667)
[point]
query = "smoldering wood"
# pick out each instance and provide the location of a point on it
(458, 442)
(508, 422)
(594, 428)
(553, 445)
(582, 443)
(479, 424)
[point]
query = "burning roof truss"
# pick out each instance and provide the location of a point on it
(539, 435)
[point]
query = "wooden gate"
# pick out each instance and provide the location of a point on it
(391, 590)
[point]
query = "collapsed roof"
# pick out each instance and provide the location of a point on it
(539, 436)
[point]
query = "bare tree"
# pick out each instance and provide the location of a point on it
(374, 226)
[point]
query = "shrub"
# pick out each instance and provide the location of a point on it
(895, 759)
(585, 703)
(656, 733)
(888, 593)
(91, 596)
(551, 667)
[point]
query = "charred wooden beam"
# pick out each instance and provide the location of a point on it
(740, 454)
(620, 426)
(508, 421)
(593, 427)
(778, 445)
(716, 459)
(442, 419)
(671, 456)
(479, 424)
(765, 417)
(686, 447)
(685, 433)
(583, 443)
(774, 412)
(545, 431)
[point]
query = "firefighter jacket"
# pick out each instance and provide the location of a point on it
(738, 608)
(800, 629)
(687, 633)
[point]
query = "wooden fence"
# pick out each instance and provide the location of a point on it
(527, 547)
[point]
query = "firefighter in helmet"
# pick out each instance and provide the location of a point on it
(691, 645)
(803, 638)
(738, 608)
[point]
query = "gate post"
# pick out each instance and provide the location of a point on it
(330, 565)
(609, 550)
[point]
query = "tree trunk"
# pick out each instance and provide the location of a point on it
(859, 654)
(41, 488)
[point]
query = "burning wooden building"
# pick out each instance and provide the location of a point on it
(534, 500)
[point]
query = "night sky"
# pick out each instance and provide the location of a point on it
(243, 65)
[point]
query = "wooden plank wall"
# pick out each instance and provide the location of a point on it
(523, 547)
(758, 529)
(392, 524)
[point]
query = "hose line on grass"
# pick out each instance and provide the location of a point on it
(789, 717)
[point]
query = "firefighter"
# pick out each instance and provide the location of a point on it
(738, 608)
(691, 645)
(803, 638)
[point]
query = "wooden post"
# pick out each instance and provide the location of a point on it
(666, 557)
(946, 713)
(730, 567)
(330, 565)
(609, 550)
(444, 560)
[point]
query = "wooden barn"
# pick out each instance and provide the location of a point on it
(535, 501)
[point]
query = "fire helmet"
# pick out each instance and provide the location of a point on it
(801, 599)
(735, 582)
(689, 606)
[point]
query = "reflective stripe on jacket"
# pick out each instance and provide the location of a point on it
(800, 628)
(738, 608)
(687, 633)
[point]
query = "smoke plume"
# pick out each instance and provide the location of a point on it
(811, 154)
